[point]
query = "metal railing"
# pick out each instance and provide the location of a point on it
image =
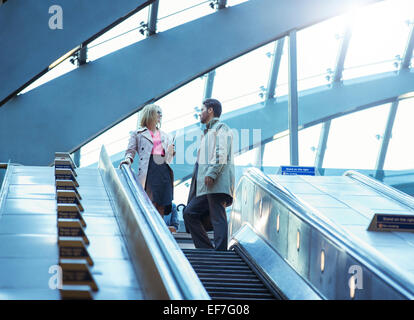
(382, 188)
(160, 265)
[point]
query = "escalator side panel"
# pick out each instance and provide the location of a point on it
(287, 214)
(272, 266)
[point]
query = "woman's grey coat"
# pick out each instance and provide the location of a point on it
(141, 141)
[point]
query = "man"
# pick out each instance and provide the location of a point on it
(212, 183)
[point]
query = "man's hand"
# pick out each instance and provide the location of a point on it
(126, 161)
(208, 181)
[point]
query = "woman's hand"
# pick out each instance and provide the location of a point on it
(125, 161)
(171, 149)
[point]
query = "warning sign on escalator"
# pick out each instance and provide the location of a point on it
(392, 222)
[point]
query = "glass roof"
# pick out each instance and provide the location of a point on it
(377, 44)
(354, 140)
(177, 12)
(379, 36)
(317, 49)
(240, 82)
(122, 35)
(400, 153)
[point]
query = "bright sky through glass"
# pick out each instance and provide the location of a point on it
(379, 36)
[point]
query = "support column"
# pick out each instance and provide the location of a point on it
(293, 100)
(405, 66)
(274, 69)
(152, 18)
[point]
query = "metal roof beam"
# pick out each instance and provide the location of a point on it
(274, 68)
(405, 65)
(337, 80)
(152, 18)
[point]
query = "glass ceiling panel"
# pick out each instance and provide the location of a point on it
(400, 154)
(124, 34)
(276, 152)
(247, 158)
(308, 144)
(178, 107)
(177, 12)
(412, 61)
(231, 3)
(379, 36)
(354, 140)
(114, 139)
(242, 82)
(62, 68)
(282, 88)
(317, 50)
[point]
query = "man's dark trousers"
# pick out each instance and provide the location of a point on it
(198, 210)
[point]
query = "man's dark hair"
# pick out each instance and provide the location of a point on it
(215, 104)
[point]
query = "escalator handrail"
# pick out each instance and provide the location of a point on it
(388, 191)
(186, 280)
(333, 232)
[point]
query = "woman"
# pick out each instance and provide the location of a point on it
(155, 150)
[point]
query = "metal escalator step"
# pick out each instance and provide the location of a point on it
(214, 256)
(225, 275)
(234, 289)
(218, 297)
(220, 260)
(209, 252)
(232, 267)
(233, 280)
(240, 295)
(216, 284)
(224, 272)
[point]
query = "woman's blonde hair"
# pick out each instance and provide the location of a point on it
(149, 114)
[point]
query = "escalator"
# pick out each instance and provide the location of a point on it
(289, 238)
(226, 276)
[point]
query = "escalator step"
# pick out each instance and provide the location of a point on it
(209, 252)
(211, 284)
(225, 275)
(253, 295)
(218, 297)
(233, 289)
(224, 272)
(219, 260)
(232, 267)
(233, 280)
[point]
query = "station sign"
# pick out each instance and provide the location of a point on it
(298, 170)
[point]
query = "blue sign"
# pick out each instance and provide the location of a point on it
(395, 222)
(296, 170)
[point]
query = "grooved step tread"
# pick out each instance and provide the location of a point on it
(226, 276)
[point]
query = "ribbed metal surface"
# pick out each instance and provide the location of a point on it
(226, 276)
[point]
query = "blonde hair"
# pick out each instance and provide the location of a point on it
(149, 114)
